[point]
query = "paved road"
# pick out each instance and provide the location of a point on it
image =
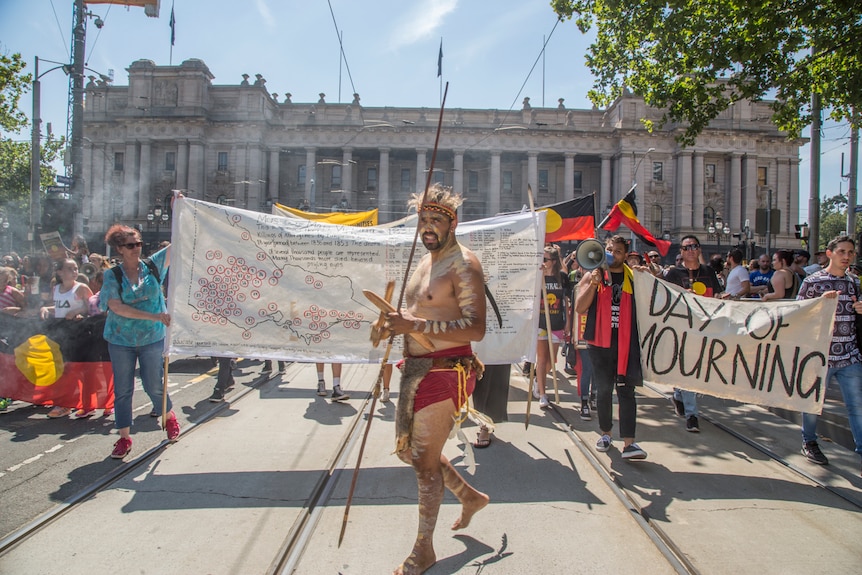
(45, 461)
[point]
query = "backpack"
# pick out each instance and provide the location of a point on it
(118, 273)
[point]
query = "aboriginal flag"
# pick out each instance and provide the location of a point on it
(56, 362)
(625, 212)
(570, 220)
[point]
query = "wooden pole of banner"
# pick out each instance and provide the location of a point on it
(392, 337)
(551, 355)
(165, 394)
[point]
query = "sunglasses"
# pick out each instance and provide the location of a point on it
(132, 245)
(690, 247)
(549, 259)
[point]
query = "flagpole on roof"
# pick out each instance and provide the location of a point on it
(440, 69)
(173, 24)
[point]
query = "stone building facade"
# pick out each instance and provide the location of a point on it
(239, 144)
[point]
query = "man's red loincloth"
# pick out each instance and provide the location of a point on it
(442, 383)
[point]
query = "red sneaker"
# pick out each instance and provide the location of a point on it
(122, 448)
(172, 426)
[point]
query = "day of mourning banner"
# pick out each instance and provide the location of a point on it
(767, 353)
(247, 284)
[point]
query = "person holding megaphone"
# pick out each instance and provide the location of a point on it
(606, 295)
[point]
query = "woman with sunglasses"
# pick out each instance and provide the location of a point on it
(556, 288)
(135, 329)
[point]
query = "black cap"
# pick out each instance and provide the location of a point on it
(802, 253)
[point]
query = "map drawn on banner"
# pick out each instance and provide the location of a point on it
(247, 284)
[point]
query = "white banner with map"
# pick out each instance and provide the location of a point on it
(769, 353)
(248, 284)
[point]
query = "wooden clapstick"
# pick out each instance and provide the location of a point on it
(385, 307)
(377, 329)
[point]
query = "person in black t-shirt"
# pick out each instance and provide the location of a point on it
(700, 279)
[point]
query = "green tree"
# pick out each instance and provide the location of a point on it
(833, 218)
(695, 58)
(15, 153)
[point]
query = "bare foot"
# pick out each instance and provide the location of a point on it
(420, 560)
(469, 508)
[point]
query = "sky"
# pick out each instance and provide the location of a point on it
(492, 54)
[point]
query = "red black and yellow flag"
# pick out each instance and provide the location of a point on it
(56, 362)
(570, 220)
(625, 212)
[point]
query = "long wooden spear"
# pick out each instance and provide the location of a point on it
(375, 393)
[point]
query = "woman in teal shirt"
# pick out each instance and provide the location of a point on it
(135, 329)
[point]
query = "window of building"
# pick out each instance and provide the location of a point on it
(657, 171)
(708, 215)
(709, 173)
(657, 217)
(579, 180)
(336, 178)
(507, 182)
(543, 180)
(371, 183)
(170, 161)
(405, 180)
(761, 176)
(221, 200)
(439, 177)
(300, 175)
(473, 182)
(119, 158)
(222, 161)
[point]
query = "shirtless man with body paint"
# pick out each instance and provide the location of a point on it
(445, 300)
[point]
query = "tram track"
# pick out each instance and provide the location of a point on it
(335, 465)
(666, 544)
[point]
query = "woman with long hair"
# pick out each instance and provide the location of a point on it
(784, 283)
(135, 329)
(70, 302)
(556, 287)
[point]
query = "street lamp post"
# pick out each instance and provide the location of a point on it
(4, 231)
(157, 216)
(717, 229)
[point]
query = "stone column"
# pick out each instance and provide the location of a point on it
(131, 200)
(146, 193)
(421, 166)
(748, 200)
(697, 191)
(458, 178)
(605, 191)
(533, 175)
(240, 174)
(196, 169)
(734, 197)
(255, 177)
(347, 183)
(385, 213)
(310, 176)
(273, 186)
(182, 182)
(569, 176)
(495, 184)
(458, 175)
(684, 184)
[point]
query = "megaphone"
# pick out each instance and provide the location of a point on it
(89, 270)
(591, 254)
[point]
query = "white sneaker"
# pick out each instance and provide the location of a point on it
(535, 390)
(604, 443)
(384, 396)
(543, 402)
(321, 389)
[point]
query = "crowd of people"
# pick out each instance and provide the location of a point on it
(603, 332)
(590, 314)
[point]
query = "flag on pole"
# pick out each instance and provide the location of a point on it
(440, 60)
(173, 25)
(625, 212)
(570, 220)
